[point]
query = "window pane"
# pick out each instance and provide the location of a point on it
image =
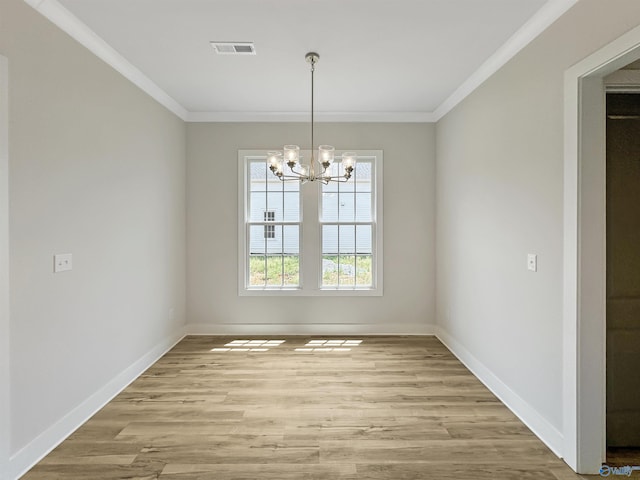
(274, 245)
(257, 176)
(330, 240)
(329, 206)
(363, 207)
(290, 186)
(257, 206)
(329, 270)
(274, 203)
(347, 270)
(347, 238)
(346, 207)
(257, 269)
(364, 277)
(364, 243)
(274, 270)
(291, 206)
(291, 240)
(257, 242)
(291, 271)
(363, 173)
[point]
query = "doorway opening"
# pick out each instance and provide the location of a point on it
(622, 279)
(584, 295)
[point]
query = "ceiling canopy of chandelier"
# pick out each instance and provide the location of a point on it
(326, 154)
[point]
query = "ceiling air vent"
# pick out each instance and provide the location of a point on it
(234, 48)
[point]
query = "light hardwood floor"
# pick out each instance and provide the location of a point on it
(392, 408)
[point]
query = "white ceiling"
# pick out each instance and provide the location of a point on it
(379, 59)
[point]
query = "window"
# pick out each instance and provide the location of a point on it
(336, 250)
(272, 233)
(347, 226)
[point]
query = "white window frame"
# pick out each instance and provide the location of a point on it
(311, 235)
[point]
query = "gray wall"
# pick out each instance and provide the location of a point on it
(500, 196)
(409, 194)
(97, 169)
(5, 423)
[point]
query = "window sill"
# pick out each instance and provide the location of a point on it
(300, 292)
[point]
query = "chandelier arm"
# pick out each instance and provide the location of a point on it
(332, 178)
(288, 178)
(339, 178)
(300, 174)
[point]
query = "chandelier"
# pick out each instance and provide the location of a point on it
(326, 154)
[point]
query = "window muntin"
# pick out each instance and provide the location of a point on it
(337, 252)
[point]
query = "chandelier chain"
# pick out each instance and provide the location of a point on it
(312, 168)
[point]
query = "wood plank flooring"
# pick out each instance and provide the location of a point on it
(392, 408)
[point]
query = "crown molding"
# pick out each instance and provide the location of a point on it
(364, 117)
(69, 23)
(539, 22)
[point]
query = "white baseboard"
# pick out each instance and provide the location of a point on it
(32, 453)
(546, 432)
(308, 329)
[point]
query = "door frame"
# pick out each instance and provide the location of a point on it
(584, 282)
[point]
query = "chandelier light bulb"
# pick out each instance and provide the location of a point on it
(291, 154)
(327, 153)
(274, 158)
(349, 160)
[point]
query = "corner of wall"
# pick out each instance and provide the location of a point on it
(539, 425)
(38, 448)
(4, 266)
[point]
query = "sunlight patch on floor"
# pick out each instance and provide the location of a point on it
(248, 346)
(329, 346)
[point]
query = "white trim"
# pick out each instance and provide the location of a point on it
(5, 358)
(295, 117)
(310, 234)
(309, 329)
(544, 430)
(66, 21)
(543, 18)
(584, 322)
(69, 23)
(32, 453)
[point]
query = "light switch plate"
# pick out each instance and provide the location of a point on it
(532, 262)
(62, 262)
